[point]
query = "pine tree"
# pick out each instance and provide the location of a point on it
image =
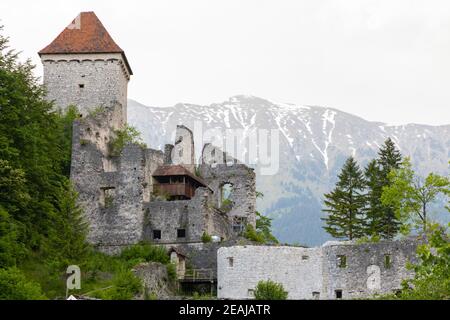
(67, 239)
(383, 219)
(373, 196)
(346, 203)
(389, 157)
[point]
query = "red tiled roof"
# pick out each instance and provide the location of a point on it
(86, 34)
(176, 170)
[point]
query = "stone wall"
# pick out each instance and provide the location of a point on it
(338, 270)
(86, 80)
(155, 280)
(243, 191)
(183, 152)
(239, 269)
(372, 268)
(195, 216)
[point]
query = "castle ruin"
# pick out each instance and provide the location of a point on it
(137, 194)
(131, 193)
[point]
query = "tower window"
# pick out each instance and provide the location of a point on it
(230, 262)
(181, 233)
(156, 234)
(338, 294)
(342, 261)
(81, 86)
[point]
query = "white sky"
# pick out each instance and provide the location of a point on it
(384, 60)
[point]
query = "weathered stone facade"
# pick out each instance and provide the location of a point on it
(86, 69)
(87, 81)
(337, 270)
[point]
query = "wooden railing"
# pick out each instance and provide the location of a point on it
(199, 275)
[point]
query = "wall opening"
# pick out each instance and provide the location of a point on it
(230, 262)
(81, 86)
(156, 234)
(387, 261)
(338, 294)
(251, 293)
(316, 295)
(181, 233)
(225, 192)
(239, 224)
(107, 196)
(342, 261)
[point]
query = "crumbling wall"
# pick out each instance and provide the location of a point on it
(153, 159)
(155, 280)
(183, 152)
(239, 269)
(366, 271)
(243, 193)
(195, 216)
(337, 270)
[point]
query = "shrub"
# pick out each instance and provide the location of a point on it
(125, 286)
(144, 253)
(15, 286)
(122, 138)
(269, 290)
(172, 272)
(206, 238)
(252, 235)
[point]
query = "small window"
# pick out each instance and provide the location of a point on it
(107, 196)
(230, 261)
(181, 233)
(81, 86)
(342, 261)
(387, 261)
(338, 294)
(156, 234)
(304, 258)
(316, 295)
(251, 293)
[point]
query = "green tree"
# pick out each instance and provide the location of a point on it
(389, 158)
(15, 286)
(374, 189)
(431, 279)
(30, 148)
(67, 239)
(410, 195)
(382, 221)
(264, 228)
(345, 204)
(270, 290)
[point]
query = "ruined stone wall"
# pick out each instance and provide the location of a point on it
(195, 216)
(103, 79)
(366, 270)
(317, 273)
(153, 159)
(239, 269)
(183, 152)
(243, 193)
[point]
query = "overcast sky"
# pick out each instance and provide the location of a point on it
(383, 60)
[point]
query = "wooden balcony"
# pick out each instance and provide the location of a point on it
(177, 190)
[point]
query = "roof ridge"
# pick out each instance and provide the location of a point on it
(85, 34)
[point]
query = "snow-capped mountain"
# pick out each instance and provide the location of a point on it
(314, 142)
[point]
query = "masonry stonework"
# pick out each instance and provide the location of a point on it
(337, 270)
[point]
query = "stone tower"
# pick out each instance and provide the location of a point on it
(84, 67)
